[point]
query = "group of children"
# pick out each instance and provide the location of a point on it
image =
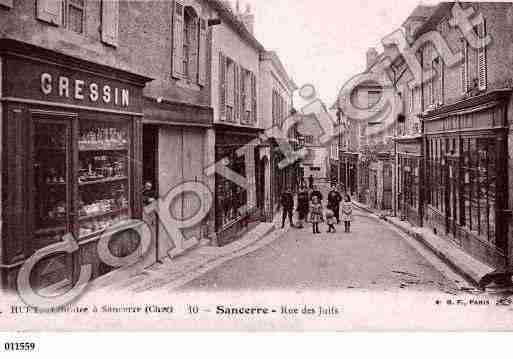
(318, 215)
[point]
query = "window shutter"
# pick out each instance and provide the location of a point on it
(430, 84)
(442, 78)
(193, 50)
(436, 81)
(464, 67)
(247, 83)
(274, 108)
(412, 98)
(7, 3)
(110, 19)
(222, 86)
(202, 53)
(50, 11)
(177, 65)
(243, 94)
(236, 93)
(254, 97)
(481, 57)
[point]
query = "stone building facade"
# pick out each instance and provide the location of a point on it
(234, 93)
(466, 115)
(452, 147)
(276, 105)
(107, 76)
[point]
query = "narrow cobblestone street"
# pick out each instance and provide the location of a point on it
(371, 257)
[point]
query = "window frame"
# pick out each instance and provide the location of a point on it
(66, 4)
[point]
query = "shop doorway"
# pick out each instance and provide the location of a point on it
(150, 176)
(150, 148)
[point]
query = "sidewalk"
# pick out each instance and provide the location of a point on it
(462, 263)
(173, 273)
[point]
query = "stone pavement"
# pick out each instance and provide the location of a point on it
(465, 265)
(175, 272)
(374, 257)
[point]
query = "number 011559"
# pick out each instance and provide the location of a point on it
(19, 346)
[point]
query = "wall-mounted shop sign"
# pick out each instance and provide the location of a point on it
(57, 83)
(409, 148)
(78, 89)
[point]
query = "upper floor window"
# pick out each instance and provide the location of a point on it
(280, 108)
(190, 43)
(474, 68)
(247, 96)
(71, 14)
(189, 57)
(237, 92)
(74, 15)
(230, 89)
(437, 86)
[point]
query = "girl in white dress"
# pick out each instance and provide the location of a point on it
(347, 213)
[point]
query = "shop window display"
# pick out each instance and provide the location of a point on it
(103, 197)
(471, 164)
(51, 214)
(231, 197)
(80, 186)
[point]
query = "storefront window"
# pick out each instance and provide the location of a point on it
(51, 215)
(103, 197)
(231, 198)
(100, 195)
(415, 184)
(479, 170)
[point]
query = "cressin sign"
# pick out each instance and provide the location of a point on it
(81, 90)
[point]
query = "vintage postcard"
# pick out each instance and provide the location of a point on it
(256, 165)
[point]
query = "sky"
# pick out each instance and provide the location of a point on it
(324, 42)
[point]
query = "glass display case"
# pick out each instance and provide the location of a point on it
(81, 173)
(231, 198)
(51, 165)
(103, 185)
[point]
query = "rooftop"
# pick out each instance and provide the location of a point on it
(229, 16)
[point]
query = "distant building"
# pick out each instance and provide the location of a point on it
(235, 100)
(451, 153)
(276, 105)
(316, 162)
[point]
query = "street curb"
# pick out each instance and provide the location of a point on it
(210, 264)
(467, 273)
(186, 273)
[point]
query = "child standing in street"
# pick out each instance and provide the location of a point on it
(316, 215)
(331, 220)
(347, 213)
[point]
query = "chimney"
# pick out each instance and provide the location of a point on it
(372, 57)
(247, 18)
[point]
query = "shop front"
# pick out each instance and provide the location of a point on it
(349, 172)
(333, 172)
(466, 174)
(236, 207)
(71, 150)
(408, 180)
(363, 193)
(177, 142)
